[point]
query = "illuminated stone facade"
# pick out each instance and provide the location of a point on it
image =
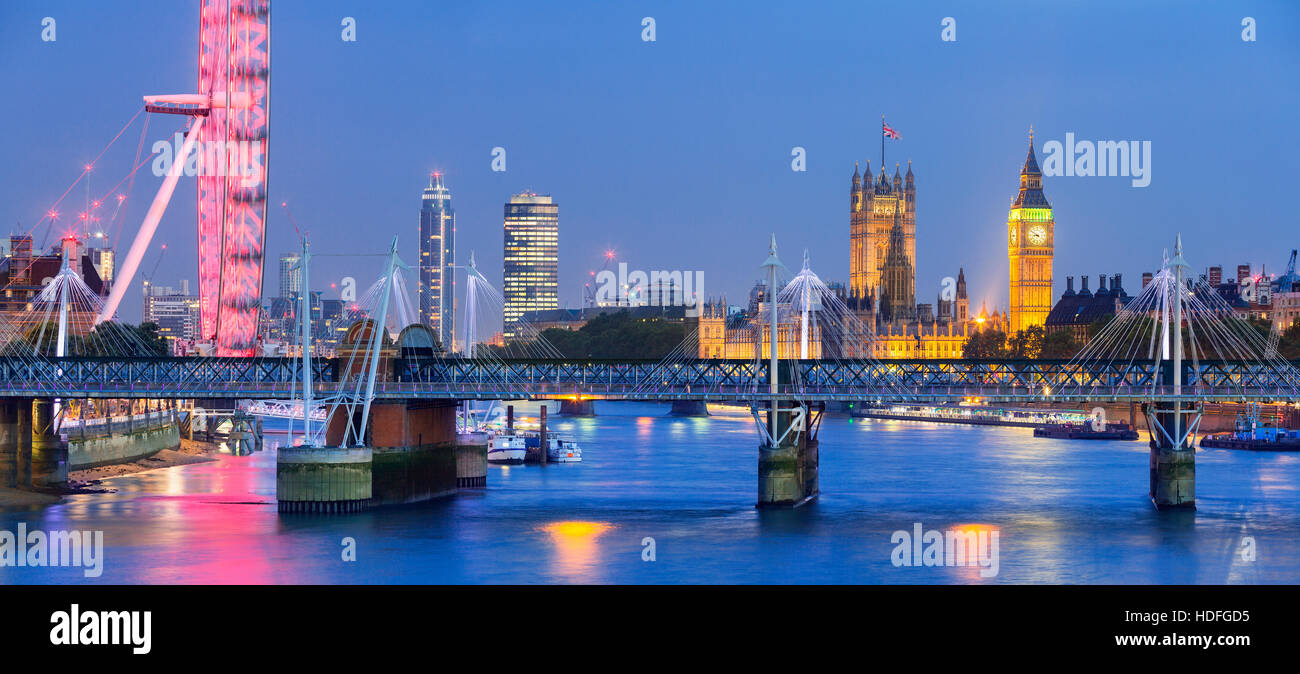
(873, 210)
(743, 339)
(1030, 245)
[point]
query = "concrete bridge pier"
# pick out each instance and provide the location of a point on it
(689, 408)
(1172, 462)
(577, 408)
(409, 455)
(24, 409)
(471, 460)
(8, 443)
(788, 469)
(323, 479)
(49, 453)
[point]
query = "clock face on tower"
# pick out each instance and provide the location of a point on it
(1037, 235)
(1013, 236)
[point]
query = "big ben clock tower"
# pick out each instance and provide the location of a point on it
(1030, 241)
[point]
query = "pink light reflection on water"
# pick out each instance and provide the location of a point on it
(212, 523)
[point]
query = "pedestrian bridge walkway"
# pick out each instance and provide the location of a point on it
(709, 380)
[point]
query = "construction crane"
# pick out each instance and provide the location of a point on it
(1288, 282)
(162, 253)
(589, 289)
(285, 206)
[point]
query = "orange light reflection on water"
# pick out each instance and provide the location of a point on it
(576, 547)
(984, 534)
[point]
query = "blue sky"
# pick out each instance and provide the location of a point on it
(676, 153)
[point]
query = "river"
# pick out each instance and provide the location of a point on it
(1064, 511)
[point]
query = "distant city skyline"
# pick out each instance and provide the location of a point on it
(677, 153)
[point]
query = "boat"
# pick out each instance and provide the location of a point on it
(559, 448)
(1250, 434)
(1117, 430)
(506, 447)
(562, 450)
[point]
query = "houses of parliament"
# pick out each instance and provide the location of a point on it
(881, 292)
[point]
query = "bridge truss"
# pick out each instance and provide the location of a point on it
(710, 380)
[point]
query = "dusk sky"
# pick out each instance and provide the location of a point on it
(677, 153)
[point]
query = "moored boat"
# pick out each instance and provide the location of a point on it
(1250, 434)
(506, 447)
(559, 448)
(1112, 431)
(563, 450)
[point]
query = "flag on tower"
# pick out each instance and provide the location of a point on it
(889, 132)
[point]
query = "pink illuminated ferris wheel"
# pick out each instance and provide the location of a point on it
(234, 57)
(228, 130)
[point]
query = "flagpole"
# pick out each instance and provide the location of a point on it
(882, 142)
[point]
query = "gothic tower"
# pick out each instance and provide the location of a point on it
(1030, 244)
(898, 278)
(873, 205)
(961, 312)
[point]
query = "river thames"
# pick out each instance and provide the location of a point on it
(1065, 512)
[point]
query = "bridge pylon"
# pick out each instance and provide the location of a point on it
(788, 462)
(1173, 453)
(49, 453)
(787, 454)
(1173, 423)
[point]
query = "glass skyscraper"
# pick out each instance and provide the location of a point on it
(437, 291)
(290, 275)
(531, 279)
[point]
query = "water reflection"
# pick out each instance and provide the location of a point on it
(576, 548)
(1065, 513)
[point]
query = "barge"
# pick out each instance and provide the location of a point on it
(1112, 431)
(1250, 434)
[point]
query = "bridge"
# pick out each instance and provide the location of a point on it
(69, 345)
(389, 399)
(824, 380)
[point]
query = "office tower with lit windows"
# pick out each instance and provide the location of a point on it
(174, 310)
(531, 278)
(437, 290)
(290, 275)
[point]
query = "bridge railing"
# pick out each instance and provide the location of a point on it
(828, 379)
(117, 425)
